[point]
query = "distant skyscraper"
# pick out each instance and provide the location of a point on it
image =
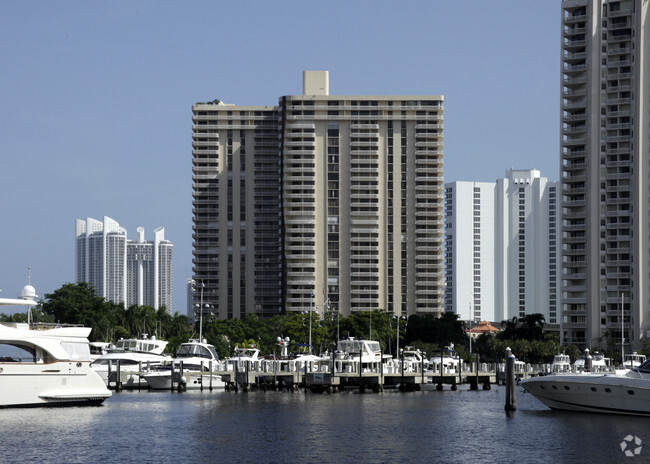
(101, 257)
(320, 198)
(605, 152)
(501, 247)
(121, 270)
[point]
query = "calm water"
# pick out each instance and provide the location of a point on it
(442, 427)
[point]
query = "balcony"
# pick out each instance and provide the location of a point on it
(577, 43)
(569, 31)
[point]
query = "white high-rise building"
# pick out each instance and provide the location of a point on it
(124, 271)
(101, 257)
(149, 271)
(501, 247)
(605, 167)
(321, 198)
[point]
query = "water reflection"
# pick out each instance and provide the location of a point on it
(460, 426)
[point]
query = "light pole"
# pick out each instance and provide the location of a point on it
(470, 327)
(326, 307)
(338, 314)
(311, 305)
(200, 310)
(398, 319)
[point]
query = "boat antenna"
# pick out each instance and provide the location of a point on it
(29, 284)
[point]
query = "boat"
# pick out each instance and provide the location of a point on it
(98, 349)
(449, 360)
(241, 356)
(200, 362)
(619, 392)
(561, 363)
(633, 360)
(599, 363)
(350, 352)
(135, 356)
(414, 360)
(46, 364)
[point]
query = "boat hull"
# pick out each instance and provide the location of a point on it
(55, 384)
(603, 393)
(193, 380)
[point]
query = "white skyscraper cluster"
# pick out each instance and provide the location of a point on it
(124, 271)
(501, 247)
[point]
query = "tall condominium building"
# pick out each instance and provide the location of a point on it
(149, 270)
(605, 153)
(501, 247)
(320, 199)
(121, 270)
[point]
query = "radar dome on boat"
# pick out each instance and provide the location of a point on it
(28, 293)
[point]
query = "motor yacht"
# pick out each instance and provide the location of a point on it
(561, 363)
(619, 392)
(46, 364)
(599, 363)
(414, 360)
(350, 352)
(241, 356)
(199, 361)
(135, 356)
(633, 360)
(448, 359)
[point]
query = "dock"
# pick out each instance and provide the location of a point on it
(328, 376)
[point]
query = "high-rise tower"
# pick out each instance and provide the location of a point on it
(121, 270)
(501, 247)
(322, 198)
(605, 170)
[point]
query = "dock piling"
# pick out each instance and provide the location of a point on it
(511, 403)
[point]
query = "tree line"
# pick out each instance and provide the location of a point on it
(78, 304)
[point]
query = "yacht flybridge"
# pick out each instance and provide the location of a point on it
(46, 365)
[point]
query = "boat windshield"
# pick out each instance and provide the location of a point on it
(645, 367)
(191, 350)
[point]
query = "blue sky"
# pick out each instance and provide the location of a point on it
(96, 97)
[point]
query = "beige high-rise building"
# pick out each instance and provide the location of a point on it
(605, 170)
(323, 202)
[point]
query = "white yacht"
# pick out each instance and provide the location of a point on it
(633, 360)
(599, 363)
(561, 363)
(134, 355)
(620, 392)
(350, 351)
(241, 356)
(414, 360)
(200, 361)
(46, 365)
(447, 359)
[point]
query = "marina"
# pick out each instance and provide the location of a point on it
(356, 364)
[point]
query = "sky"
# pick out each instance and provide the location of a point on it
(96, 101)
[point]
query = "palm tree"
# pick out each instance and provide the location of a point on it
(533, 326)
(510, 330)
